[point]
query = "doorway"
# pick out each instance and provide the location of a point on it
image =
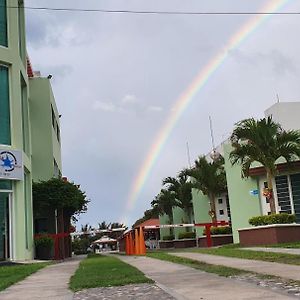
(4, 226)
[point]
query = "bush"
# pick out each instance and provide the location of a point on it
(43, 241)
(168, 238)
(186, 235)
(272, 219)
(219, 230)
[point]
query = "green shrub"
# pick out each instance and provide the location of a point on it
(43, 241)
(168, 238)
(219, 230)
(186, 235)
(272, 219)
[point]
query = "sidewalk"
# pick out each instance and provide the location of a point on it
(48, 283)
(294, 251)
(185, 283)
(257, 266)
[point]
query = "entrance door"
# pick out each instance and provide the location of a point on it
(4, 226)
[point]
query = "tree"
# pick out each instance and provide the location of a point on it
(103, 225)
(182, 190)
(59, 194)
(210, 178)
(263, 141)
(151, 213)
(164, 203)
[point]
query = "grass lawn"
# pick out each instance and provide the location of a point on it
(234, 251)
(220, 270)
(104, 271)
(285, 245)
(12, 274)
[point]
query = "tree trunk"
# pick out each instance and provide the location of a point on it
(171, 229)
(270, 192)
(213, 213)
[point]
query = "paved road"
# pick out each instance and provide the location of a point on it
(48, 283)
(262, 267)
(185, 283)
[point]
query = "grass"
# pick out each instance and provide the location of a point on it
(216, 269)
(105, 271)
(234, 251)
(12, 274)
(295, 245)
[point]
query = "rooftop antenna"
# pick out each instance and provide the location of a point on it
(214, 155)
(188, 154)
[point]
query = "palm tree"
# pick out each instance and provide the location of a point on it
(210, 178)
(263, 141)
(164, 203)
(182, 190)
(103, 225)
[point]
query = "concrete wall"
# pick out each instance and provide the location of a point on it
(45, 145)
(21, 210)
(242, 204)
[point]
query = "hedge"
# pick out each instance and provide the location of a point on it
(272, 219)
(219, 230)
(186, 235)
(168, 238)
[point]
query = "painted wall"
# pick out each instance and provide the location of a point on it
(243, 205)
(201, 209)
(45, 145)
(21, 211)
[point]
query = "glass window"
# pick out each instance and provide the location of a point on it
(21, 30)
(3, 23)
(4, 107)
(5, 185)
(25, 117)
(27, 207)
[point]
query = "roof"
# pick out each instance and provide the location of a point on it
(104, 239)
(151, 222)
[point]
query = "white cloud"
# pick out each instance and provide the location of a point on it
(155, 108)
(105, 106)
(130, 99)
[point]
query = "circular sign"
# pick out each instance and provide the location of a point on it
(8, 161)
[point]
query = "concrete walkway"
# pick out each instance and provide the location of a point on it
(294, 251)
(185, 283)
(261, 267)
(48, 283)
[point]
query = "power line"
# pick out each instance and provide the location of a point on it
(154, 12)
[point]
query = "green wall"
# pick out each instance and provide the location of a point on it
(201, 209)
(242, 205)
(45, 145)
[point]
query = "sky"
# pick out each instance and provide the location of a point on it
(116, 78)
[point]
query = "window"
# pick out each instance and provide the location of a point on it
(220, 201)
(27, 201)
(221, 212)
(21, 21)
(6, 185)
(57, 173)
(25, 117)
(3, 23)
(4, 107)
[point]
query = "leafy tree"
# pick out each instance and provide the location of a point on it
(59, 194)
(264, 141)
(210, 178)
(182, 190)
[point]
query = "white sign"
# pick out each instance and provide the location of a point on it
(11, 164)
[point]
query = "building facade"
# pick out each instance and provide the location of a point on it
(16, 228)
(29, 149)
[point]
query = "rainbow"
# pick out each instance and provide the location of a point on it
(186, 98)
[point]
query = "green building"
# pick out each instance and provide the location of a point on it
(27, 149)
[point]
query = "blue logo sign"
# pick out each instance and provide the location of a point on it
(8, 161)
(253, 192)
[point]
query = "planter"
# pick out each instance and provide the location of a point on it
(269, 234)
(185, 243)
(44, 253)
(166, 244)
(217, 240)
